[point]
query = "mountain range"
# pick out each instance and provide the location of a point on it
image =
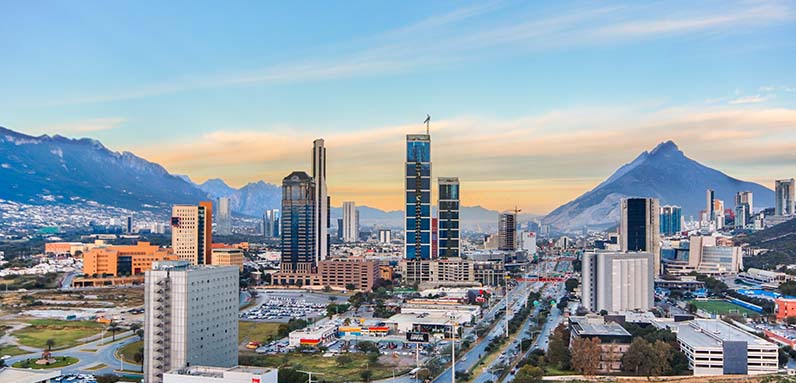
(664, 173)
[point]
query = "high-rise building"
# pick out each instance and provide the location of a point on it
(417, 236)
(640, 228)
(448, 221)
(192, 232)
(340, 229)
(299, 247)
(321, 200)
(528, 242)
(271, 223)
(618, 282)
(507, 231)
(224, 217)
(671, 220)
(190, 317)
(385, 236)
(710, 196)
(785, 196)
(350, 222)
(743, 208)
(129, 225)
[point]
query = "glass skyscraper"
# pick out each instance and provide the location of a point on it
(448, 222)
(671, 217)
(298, 223)
(417, 238)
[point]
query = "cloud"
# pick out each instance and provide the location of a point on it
(472, 33)
(748, 100)
(84, 126)
(537, 161)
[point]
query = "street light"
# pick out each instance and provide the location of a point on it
(452, 318)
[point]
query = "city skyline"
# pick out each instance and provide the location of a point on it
(547, 99)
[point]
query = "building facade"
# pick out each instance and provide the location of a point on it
(417, 235)
(192, 232)
(224, 218)
(617, 282)
(671, 218)
(785, 195)
(358, 272)
(124, 260)
(271, 227)
(640, 228)
(385, 236)
(350, 222)
(299, 249)
(614, 340)
(228, 256)
(507, 231)
(321, 201)
(190, 317)
(238, 374)
(448, 220)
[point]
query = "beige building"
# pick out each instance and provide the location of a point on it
(614, 339)
(228, 257)
(452, 271)
(360, 272)
(192, 232)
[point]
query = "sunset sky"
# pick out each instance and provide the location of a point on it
(532, 104)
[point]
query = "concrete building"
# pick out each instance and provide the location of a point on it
(453, 272)
(224, 217)
(359, 272)
(786, 308)
(448, 223)
(228, 256)
(271, 227)
(321, 201)
(19, 375)
(190, 318)
(313, 336)
(617, 282)
(704, 255)
(350, 222)
(385, 236)
(192, 232)
(614, 339)
(785, 197)
(744, 208)
(238, 374)
(507, 231)
(710, 196)
(714, 347)
(528, 242)
(639, 228)
(124, 260)
(417, 235)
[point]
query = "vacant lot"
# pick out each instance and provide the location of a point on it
(65, 333)
(129, 351)
(332, 372)
(722, 307)
(262, 332)
(8, 349)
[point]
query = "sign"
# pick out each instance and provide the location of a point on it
(417, 337)
(255, 380)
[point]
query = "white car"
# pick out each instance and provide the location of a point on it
(5, 357)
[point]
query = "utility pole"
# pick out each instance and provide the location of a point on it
(309, 373)
(508, 303)
(453, 347)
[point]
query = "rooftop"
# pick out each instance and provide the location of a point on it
(589, 326)
(712, 333)
(218, 372)
(17, 375)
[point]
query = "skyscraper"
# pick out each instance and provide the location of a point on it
(271, 223)
(350, 222)
(224, 219)
(507, 231)
(417, 238)
(640, 228)
(743, 208)
(785, 197)
(710, 196)
(671, 220)
(128, 225)
(617, 282)
(448, 222)
(192, 232)
(190, 317)
(321, 198)
(299, 239)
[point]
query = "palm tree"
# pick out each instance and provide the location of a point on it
(50, 344)
(113, 327)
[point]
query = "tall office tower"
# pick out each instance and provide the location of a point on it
(224, 218)
(640, 229)
(271, 223)
(340, 229)
(617, 282)
(128, 225)
(448, 221)
(743, 208)
(299, 239)
(417, 236)
(710, 195)
(385, 236)
(190, 317)
(322, 220)
(507, 231)
(785, 190)
(192, 232)
(350, 222)
(671, 220)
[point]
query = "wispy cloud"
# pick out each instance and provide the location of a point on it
(756, 99)
(465, 34)
(83, 126)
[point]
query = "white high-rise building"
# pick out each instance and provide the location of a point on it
(617, 282)
(321, 202)
(785, 196)
(190, 317)
(640, 228)
(224, 219)
(385, 236)
(528, 242)
(350, 222)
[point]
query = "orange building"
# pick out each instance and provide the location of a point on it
(124, 260)
(786, 307)
(228, 257)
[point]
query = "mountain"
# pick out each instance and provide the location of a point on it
(216, 187)
(45, 170)
(253, 199)
(664, 173)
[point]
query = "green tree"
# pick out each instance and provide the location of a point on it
(373, 357)
(350, 287)
(366, 375)
(586, 355)
(571, 284)
(529, 374)
(788, 288)
(113, 328)
(344, 360)
(50, 344)
(637, 358)
(367, 347)
(558, 348)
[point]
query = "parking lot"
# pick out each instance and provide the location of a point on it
(75, 378)
(278, 306)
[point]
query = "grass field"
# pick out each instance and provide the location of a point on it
(60, 361)
(328, 366)
(722, 307)
(128, 351)
(262, 332)
(7, 349)
(65, 333)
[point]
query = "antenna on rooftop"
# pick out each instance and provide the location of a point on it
(427, 122)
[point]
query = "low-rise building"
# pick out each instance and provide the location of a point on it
(228, 256)
(313, 336)
(438, 324)
(19, 375)
(614, 339)
(764, 278)
(124, 260)
(786, 307)
(239, 374)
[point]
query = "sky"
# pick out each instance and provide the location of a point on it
(532, 103)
